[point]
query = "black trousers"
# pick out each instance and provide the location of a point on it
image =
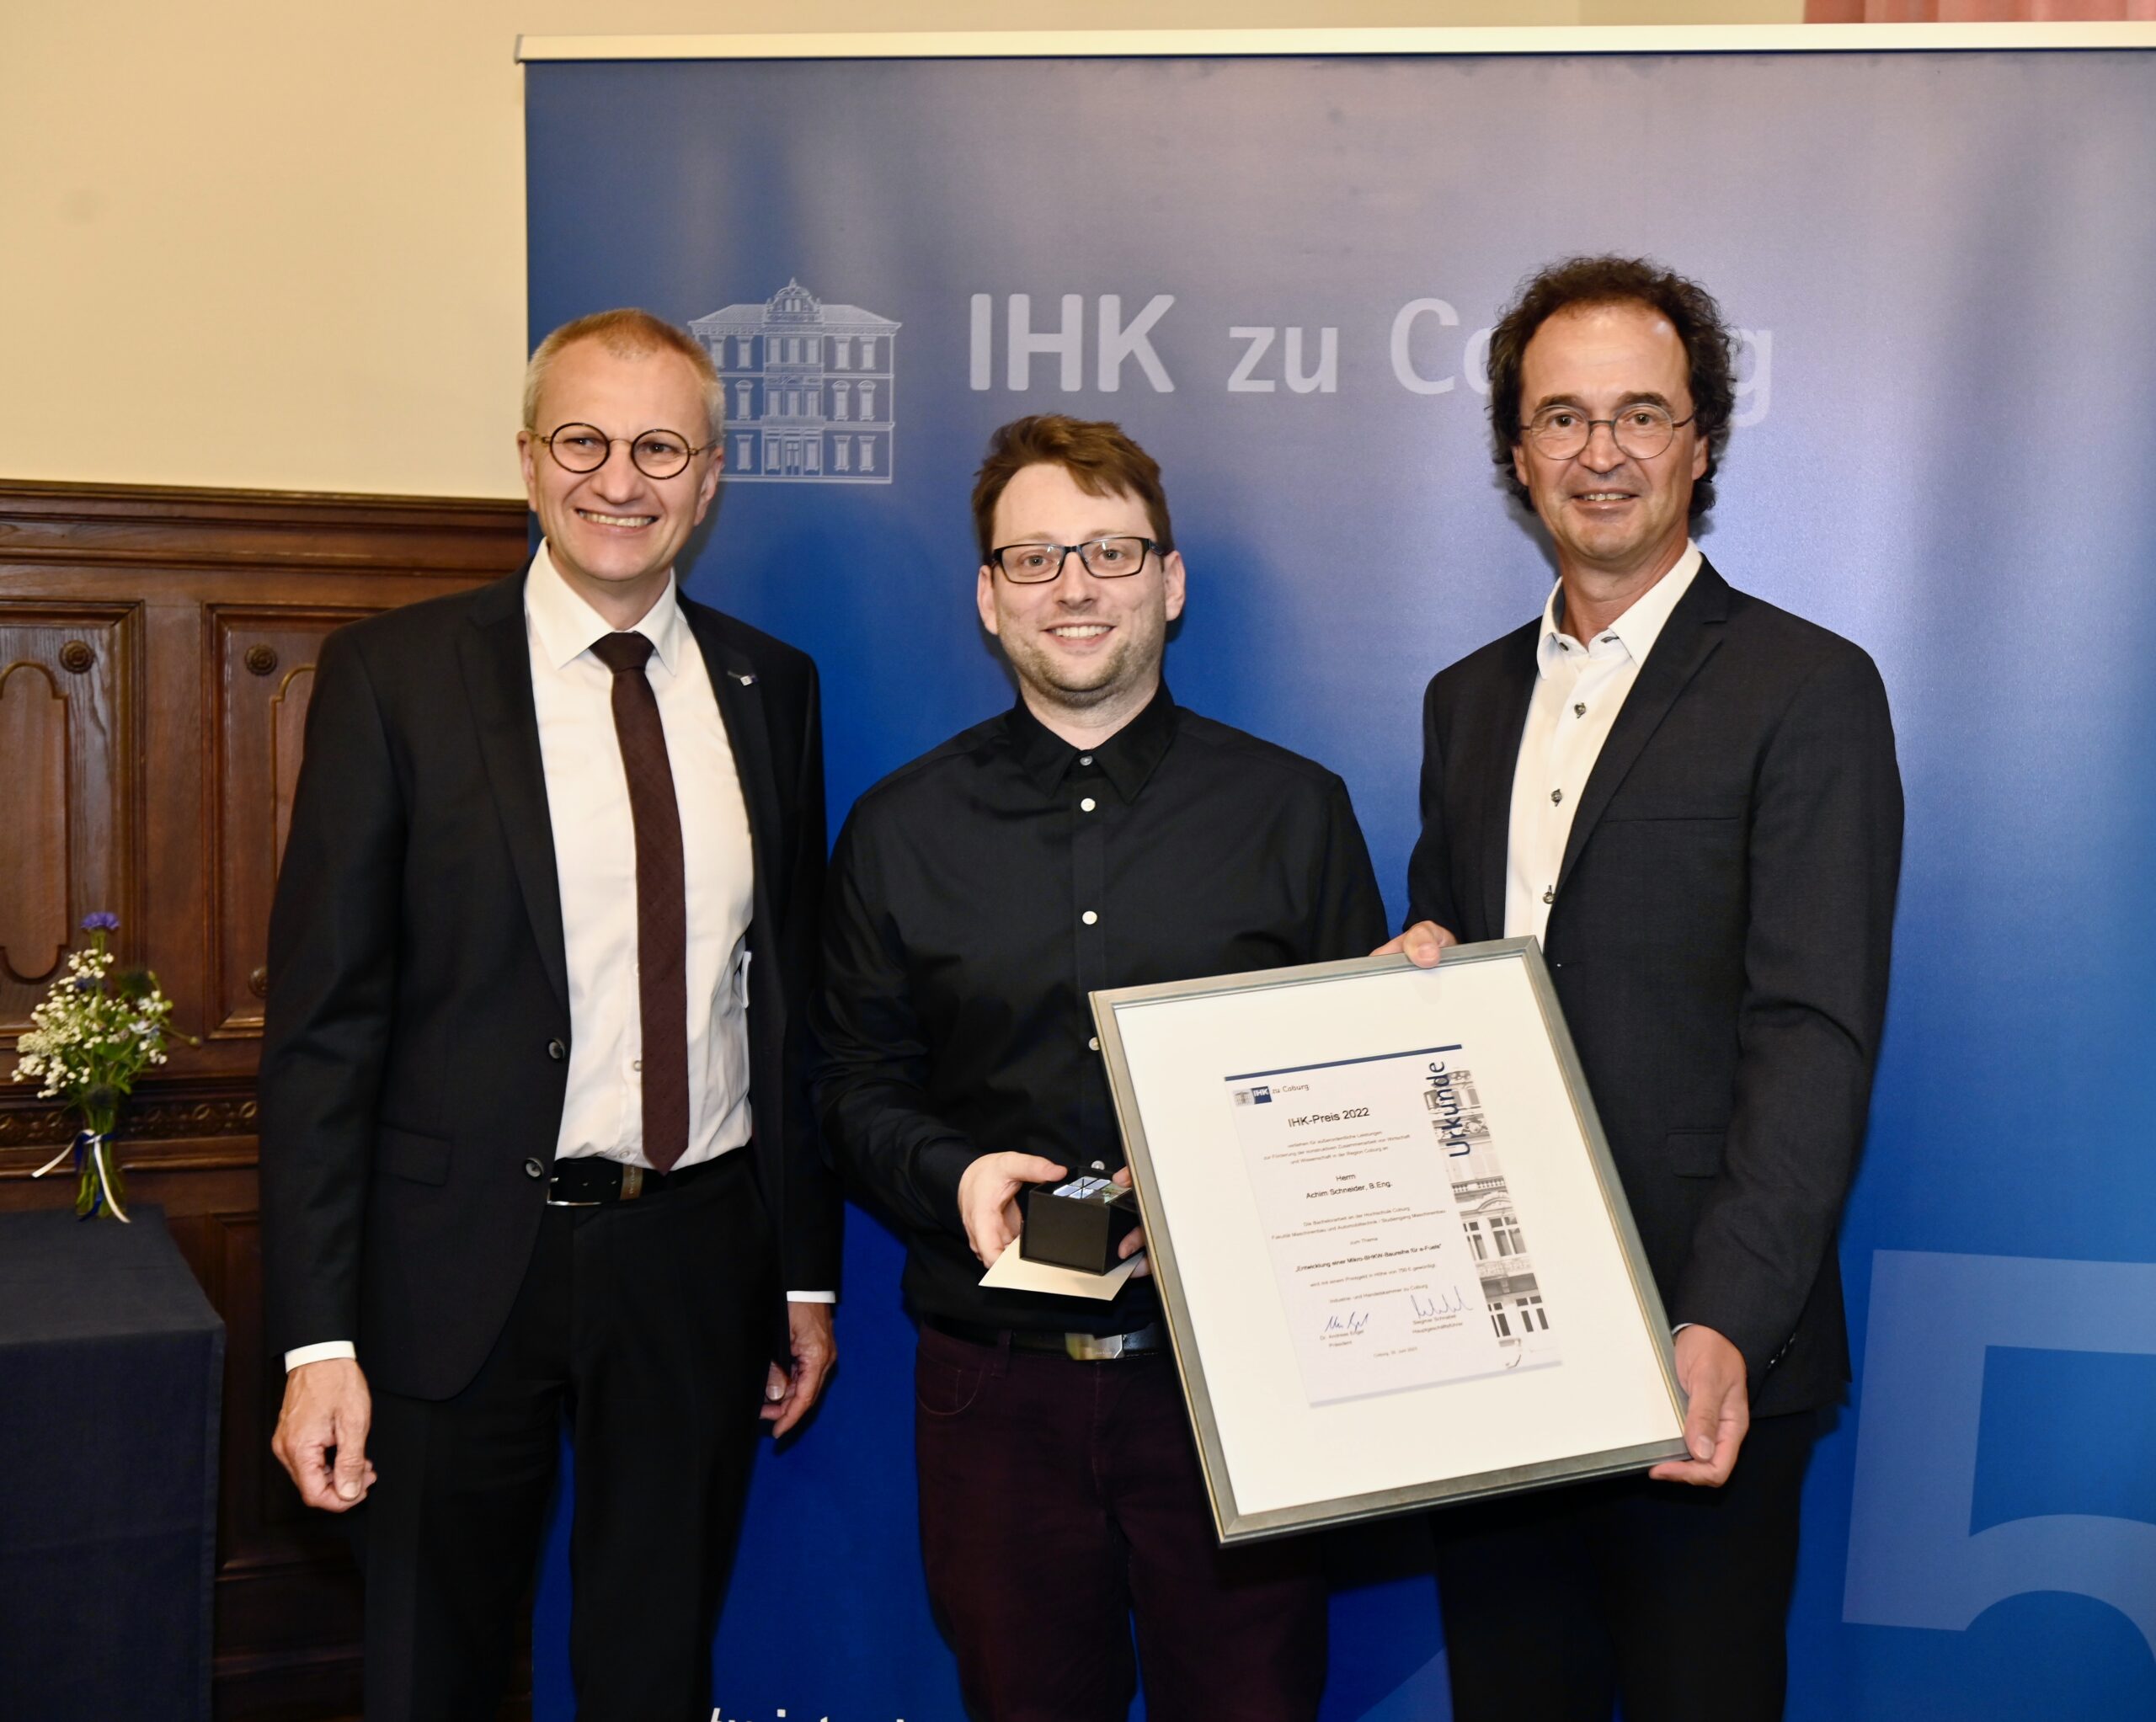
(1674, 1597)
(646, 1325)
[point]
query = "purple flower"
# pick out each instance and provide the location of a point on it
(103, 921)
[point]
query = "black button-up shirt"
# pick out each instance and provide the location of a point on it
(979, 893)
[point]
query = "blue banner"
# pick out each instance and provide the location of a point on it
(1279, 275)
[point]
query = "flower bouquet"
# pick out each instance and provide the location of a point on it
(96, 1031)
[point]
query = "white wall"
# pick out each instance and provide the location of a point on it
(266, 243)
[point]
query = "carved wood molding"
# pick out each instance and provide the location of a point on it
(160, 1115)
(171, 525)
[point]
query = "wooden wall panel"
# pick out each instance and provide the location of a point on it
(34, 837)
(163, 640)
(69, 676)
(261, 675)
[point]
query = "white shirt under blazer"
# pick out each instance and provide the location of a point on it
(595, 859)
(1578, 691)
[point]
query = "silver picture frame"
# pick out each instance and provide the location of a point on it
(1278, 1457)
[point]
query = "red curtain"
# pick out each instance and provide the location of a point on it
(1977, 11)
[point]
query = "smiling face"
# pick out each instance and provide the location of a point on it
(1610, 515)
(613, 533)
(1088, 651)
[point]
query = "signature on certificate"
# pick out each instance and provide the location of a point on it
(1429, 1308)
(1354, 1321)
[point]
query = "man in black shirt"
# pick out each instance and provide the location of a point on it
(1094, 836)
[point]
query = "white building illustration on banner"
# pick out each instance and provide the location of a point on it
(808, 389)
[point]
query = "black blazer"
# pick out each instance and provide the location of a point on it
(1719, 942)
(414, 1057)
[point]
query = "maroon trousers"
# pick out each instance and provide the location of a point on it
(1060, 1501)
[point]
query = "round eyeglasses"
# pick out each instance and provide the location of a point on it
(1105, 559)
(1641, 430)
(583, 448)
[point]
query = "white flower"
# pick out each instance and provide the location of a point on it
(82, 1036)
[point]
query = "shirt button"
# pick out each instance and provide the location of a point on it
(1086, 805)
(1556, 796)
(1579, 711)
(1085, 759)
(532, 1169)
(556, 1051)
(1550, 895)
(636, 1064)
(1089, 917)
(1092, 1043)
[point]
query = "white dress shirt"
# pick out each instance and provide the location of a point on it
(1578, 691)
(595, 861)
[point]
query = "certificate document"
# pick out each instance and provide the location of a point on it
(1396, 1245)
(1394, 1256)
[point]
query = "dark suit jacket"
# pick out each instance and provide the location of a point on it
(414, 1059)
(1719, 942)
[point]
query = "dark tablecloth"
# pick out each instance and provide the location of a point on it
(111, 1361)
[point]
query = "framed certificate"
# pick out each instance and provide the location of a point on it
(1397, 1264)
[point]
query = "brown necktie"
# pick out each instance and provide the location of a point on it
(662, 906)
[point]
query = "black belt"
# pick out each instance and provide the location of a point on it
(1085, 1347)
(585, 1181)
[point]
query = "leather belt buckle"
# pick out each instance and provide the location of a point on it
(579, 1182)
(1102, 1348)
(590, 1181)
(1078, 1347)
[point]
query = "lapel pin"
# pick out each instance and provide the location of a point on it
(746, 681)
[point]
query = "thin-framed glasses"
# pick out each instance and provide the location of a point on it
(1641, 430)
(1105, 559)
(583, 448)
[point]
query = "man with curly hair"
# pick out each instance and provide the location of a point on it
(1690, 797)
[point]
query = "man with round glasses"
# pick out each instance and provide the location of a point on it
(1690, 797)
(532, 1155)
(1096, 835)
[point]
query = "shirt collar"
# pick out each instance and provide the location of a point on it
(567, 627)
(1127, 758)
(1635, 631)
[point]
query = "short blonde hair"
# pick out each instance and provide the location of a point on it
(627, 333)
